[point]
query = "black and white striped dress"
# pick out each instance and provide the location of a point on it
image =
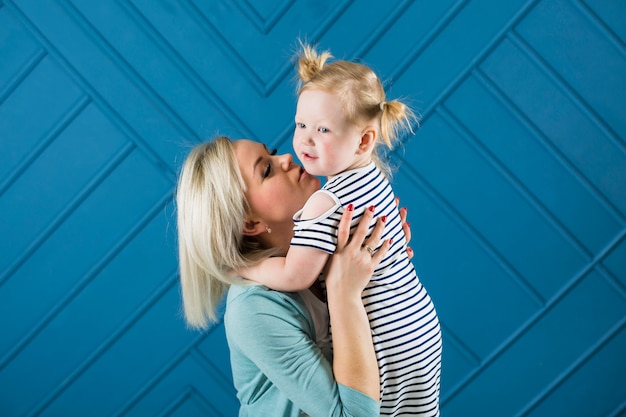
(405, 327)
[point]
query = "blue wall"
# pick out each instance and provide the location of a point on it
(515, 184)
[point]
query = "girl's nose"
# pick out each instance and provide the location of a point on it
(306, 138)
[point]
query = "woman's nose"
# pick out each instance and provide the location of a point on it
(285, 161)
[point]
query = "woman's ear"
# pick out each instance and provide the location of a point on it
(252, 228)
(368, 139)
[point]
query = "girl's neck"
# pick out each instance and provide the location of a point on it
(356, 165)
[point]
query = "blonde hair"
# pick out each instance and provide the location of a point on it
(361, 93)
(211, 209)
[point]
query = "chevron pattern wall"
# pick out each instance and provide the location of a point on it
(515, 184)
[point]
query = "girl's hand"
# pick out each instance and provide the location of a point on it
(352, 265)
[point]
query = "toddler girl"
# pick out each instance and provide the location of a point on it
(342, 116)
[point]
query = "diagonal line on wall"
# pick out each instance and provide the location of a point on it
(547, 144)
(525, 327)
(461, 347)
(152, 299)
(381, 28)
(177, 60)
(89, 276)
(162, 373)
(494, 162)
(473, 233)
(42, 145)
(52, 227)
(21, 75)
(567, 89)
(592, 17)
(619, 411)
(522, 190)
(263, 88)
(487, 49)
(612, 279)
(207, 364)
(220, 41)
(577, 364)
(103, 105)
(263, 25)
(69, 208)
(427, 39)
(109, 50)
(190, 393)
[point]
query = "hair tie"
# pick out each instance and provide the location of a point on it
(382, 105)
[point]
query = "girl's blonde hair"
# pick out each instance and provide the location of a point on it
(211, 210)
(361, 93)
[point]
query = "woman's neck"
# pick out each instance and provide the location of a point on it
(279, 238)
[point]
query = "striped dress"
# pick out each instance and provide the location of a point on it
(404, 323)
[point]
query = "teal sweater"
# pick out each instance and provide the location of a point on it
(278, 370)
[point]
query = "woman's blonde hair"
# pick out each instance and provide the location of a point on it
(211, 210)
(361, 93)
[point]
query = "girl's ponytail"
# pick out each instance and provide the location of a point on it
(310, 63)
(396, 118)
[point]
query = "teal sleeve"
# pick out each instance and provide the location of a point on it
(274, 355)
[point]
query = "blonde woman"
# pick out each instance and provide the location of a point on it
(235, 203)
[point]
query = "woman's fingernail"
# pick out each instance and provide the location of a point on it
(391, 241)
(371, 208)
(350, 207)
(384, 218)
(408, 224)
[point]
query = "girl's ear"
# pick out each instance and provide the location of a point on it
(368, 139)
(252, 228)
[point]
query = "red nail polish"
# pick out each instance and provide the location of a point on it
(350, 207)
(371, 208)
(384, 219)
(408, 224)
(390, 241)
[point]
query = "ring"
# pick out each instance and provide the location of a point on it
(370, 250)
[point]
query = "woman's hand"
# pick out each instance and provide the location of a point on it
(352, 265)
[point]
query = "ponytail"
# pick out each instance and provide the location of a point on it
(310, 62)
(396, 118)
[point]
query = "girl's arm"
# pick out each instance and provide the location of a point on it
(302, 266)
(295, 272)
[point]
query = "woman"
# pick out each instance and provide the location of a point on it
(235, 206)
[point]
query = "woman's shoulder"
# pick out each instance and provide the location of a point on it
(251, 302)
(239, 293)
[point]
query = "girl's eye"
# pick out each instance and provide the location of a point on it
(300, 125)
(323, 130)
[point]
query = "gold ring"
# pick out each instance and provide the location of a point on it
(370, 250)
